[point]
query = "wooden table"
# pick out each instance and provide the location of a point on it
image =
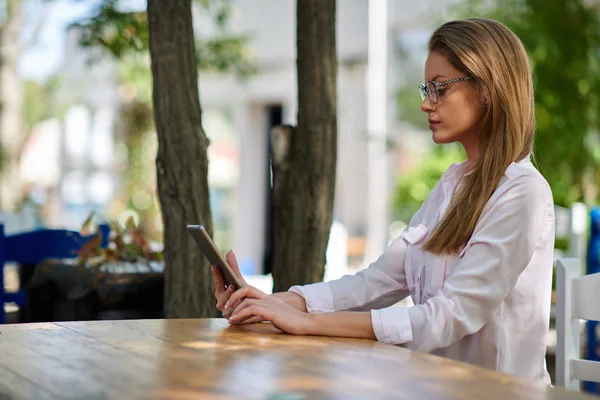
(207, 359)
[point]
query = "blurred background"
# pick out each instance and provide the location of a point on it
(77, 132)
(77, 125)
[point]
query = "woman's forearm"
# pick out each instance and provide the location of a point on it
(292, 299)
(342, 324)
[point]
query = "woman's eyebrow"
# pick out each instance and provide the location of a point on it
(438, 76)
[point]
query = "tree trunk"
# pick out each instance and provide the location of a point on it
(12, 132)
(304, 176)
(181, 162)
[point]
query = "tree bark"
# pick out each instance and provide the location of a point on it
(305, 176)
(12, 134)
(181, 162)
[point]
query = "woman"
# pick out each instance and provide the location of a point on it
(477, 257)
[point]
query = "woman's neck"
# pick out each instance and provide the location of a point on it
(472, 150)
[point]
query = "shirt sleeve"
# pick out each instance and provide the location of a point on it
(500, 248)
(380, 285)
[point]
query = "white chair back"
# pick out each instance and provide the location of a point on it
(577, 298)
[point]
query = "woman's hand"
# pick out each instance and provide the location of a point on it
(252, 304)
(222, 293)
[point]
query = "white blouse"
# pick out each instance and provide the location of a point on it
(489, 305)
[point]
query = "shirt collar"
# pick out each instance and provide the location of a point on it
(458, 170)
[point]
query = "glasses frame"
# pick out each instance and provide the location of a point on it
(434, 96)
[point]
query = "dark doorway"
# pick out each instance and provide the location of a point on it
(274, 118)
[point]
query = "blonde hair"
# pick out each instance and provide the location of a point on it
(494, 57)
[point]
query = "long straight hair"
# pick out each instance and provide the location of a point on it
(494, 57)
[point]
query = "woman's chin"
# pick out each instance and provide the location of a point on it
(439, 138)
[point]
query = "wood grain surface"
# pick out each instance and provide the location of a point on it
(208, 359)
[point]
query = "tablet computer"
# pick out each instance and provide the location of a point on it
(214, 256)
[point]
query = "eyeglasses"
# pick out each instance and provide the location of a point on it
(430, 88)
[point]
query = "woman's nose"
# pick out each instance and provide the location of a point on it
(427, 105)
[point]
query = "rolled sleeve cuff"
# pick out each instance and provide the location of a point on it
(318, 297)
(392, 325)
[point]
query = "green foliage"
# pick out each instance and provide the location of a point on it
(39, 101)
(224, 54)
(122, 33)
(35, 96)
(3, 157)
(414, 187)
(561, 243)
(407, 95)
(563, 41)
(117, 31)
(409, 104)
(135, 76)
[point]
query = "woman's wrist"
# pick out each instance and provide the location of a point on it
(340, 324)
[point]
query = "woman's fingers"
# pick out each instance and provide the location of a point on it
(251, 320)
(224, 297)
(243, 304)
(220, 290)
(254, 310)
(219, 281)
(246, 291)
(232, 261)
(229, 310)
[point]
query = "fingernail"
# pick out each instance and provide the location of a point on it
(230, 287)
(234, 316)
(227, 305)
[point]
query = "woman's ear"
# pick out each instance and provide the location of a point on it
(485, 96)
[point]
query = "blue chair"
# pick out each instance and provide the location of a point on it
(34, 247)
(593, 267)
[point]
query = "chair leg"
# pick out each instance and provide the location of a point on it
(591, 346)
(2, 295)
(2, 291)
(26, 272)
(2, 259)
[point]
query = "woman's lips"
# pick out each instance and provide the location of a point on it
(433, 124)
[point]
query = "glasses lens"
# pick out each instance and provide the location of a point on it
(422, 91)
(432, 92)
